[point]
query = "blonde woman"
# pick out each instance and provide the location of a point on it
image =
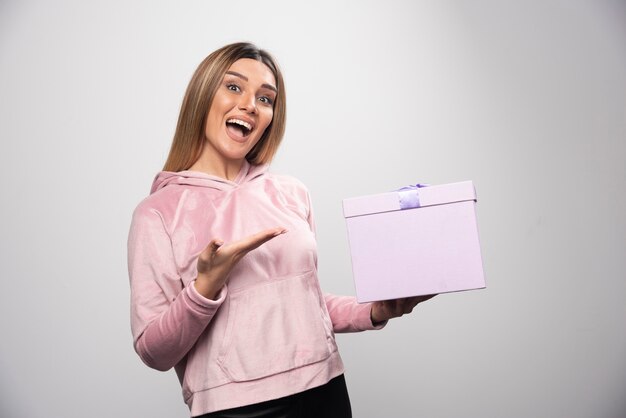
(222, 259)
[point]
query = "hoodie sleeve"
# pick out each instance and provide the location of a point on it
(346, 314)
(166, 318)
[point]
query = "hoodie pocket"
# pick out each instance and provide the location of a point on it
(275, 327)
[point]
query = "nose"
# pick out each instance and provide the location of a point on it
(247, 103)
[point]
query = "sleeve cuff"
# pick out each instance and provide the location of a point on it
(363, 320)
(203, 304)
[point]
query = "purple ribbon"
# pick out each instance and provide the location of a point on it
(409, 196)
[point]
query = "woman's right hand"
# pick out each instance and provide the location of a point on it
(218, 259)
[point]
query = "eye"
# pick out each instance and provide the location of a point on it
(266, 100)
(233, 87)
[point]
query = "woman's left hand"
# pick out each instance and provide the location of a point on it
(384, 310)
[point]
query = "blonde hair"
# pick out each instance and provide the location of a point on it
(189, 136)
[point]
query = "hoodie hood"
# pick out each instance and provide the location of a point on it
(247, 173)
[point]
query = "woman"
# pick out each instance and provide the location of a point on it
(222, 259)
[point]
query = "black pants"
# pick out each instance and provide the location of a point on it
(328, 401)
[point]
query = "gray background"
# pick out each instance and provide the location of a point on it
(527, 99)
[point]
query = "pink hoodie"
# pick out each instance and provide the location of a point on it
(271, 331)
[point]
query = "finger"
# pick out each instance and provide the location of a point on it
(428, 297)
(254, 241)
(405, 305)
(397, 307)
(424, 298)
(410, 303)
(414, 300)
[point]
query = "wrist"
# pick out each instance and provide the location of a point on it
(374, 318)
(207, 287)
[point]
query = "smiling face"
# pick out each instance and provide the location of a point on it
(242, 108)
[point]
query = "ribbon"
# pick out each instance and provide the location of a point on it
(409, 196)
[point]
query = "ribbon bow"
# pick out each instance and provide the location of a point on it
(409, 197)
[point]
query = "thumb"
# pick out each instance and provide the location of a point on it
(206, 257)
(215, 244)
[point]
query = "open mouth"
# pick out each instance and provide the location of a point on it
(238, 127)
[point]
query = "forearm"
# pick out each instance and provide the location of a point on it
(169, 336)
(347, 315)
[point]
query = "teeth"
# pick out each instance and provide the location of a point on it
(240, 122)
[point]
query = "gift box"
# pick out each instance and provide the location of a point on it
(419, 240)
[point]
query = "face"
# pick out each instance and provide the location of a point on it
(242, 108)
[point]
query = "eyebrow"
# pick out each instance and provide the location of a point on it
(267, 86)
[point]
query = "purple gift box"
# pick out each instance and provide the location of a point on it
(419, 240)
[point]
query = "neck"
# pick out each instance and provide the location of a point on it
(213, 163)
(226, 169)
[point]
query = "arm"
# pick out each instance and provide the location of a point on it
(166, 319)
(347, 315)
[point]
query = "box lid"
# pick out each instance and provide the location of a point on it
(409, 199)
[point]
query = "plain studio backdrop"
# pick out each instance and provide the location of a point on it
(527, 99)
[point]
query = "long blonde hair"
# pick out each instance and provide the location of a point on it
(189, 136)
